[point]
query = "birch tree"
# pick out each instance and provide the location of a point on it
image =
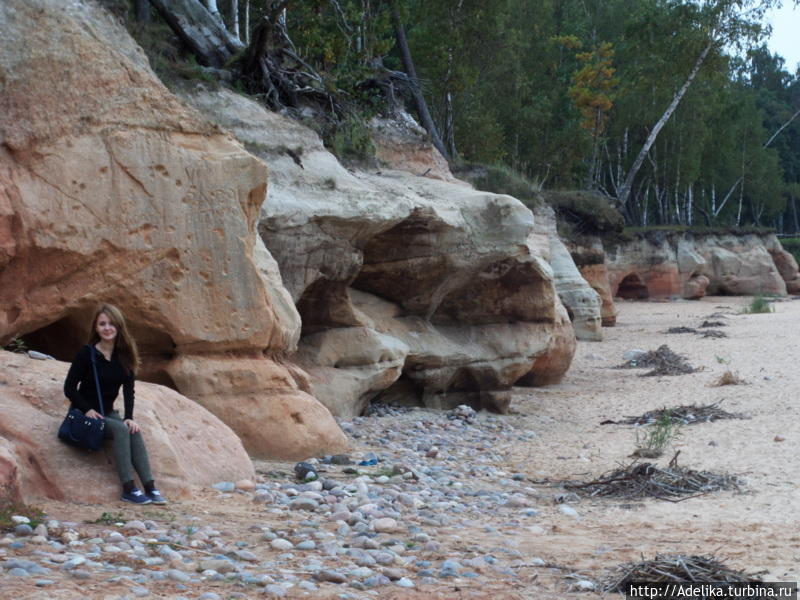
(235, 19)
(211, 5)
(735, 22)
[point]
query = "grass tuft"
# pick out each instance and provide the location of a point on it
(9, 508)
(501, 179)
(758, 305)
(728, 378)
(108, 518)
(659, 435)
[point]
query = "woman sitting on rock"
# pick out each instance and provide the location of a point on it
(116, 358)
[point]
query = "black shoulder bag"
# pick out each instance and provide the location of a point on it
(79, 430)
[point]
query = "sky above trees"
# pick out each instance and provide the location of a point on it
(785, 38)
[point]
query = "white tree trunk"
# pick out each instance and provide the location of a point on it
(211, 5)
(625, 190)
(714, 199)
(247, 22)
(765, 145)
(781, 128)
(739, 212)
(235, 19)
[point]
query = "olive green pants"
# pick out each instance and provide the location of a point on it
(129, 450)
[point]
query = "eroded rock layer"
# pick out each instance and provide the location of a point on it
(400, 280)
(685, 265)
(113, 190)
(582, 302)
(187, 444)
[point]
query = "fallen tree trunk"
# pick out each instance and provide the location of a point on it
(408, 63)
(202, 32)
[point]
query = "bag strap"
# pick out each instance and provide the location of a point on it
(97, 379)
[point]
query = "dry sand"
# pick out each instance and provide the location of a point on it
(752, 531)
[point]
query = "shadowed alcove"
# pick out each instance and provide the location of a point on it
(632, 288)
(63, 338)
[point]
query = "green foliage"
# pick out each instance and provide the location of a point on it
(758, 305)
(167, 55)
(583, 213)
(341, 38)
(17, 345)
(659, 435)
(562, 94)
(9, 508)
(108, 518)
(697, 230)
(350, 140)
(500, 179)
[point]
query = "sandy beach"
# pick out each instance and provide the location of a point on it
(753, 530)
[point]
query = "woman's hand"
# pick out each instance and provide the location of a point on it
(93, 414)
(133, 426)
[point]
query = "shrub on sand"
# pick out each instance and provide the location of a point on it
(659, 435)
(758, 305)
(728, 378)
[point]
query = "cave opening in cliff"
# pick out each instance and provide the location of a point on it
(63, 338)
(324, 305)
(632, 288)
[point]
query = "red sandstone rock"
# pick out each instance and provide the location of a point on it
(596, 275)
(400, 143)
(392, 271)
(661, 265)
(262, 402)
(187, 444)
(695, 287)
(551, 366)
(111, 189)
(787, 267)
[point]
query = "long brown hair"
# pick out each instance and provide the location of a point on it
(124, 344)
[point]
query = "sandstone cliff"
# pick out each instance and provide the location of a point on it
(660, 264)
(112, 189)
(187, 444)
(406, 285)
(582, 301)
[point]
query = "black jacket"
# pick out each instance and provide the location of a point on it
(80, 387)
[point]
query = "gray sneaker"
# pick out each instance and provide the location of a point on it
(155, 497)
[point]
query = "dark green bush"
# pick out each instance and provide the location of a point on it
(350, 140)
(500, 179)
(582, 213)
